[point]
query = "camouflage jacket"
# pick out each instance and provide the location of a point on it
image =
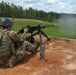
(5, 43)
(7, 39)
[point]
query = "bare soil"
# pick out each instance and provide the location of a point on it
(60, 59)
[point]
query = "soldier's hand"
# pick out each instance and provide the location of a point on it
(21, 30)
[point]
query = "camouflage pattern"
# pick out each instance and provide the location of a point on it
(9, 55)
(5, 45)
(15, 37)
(25, 34)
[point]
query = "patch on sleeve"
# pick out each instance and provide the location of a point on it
(13, 34)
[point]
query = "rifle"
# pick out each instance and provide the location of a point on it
(37, 29)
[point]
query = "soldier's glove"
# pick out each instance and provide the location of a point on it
(21, 30)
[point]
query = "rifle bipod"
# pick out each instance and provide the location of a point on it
(40, 32)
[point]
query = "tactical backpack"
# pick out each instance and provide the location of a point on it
(5, 43)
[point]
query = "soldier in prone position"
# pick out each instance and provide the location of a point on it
(9, 54)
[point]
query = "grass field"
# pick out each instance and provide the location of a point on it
(62, 29)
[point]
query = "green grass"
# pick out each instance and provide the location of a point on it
(60, 30)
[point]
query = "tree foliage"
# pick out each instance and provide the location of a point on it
(11, 10)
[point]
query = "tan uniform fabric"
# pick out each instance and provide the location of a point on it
(9, 54)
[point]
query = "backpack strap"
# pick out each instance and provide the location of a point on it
(1, 39)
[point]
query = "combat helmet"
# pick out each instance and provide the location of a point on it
(6, 22)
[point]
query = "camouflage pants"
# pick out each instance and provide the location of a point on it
(26, 46)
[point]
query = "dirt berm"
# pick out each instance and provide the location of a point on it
(60, 59)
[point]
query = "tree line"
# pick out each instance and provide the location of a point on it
(11, 10)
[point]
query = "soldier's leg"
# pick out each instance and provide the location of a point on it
(11, 61)
(31, 48)
(15, 58)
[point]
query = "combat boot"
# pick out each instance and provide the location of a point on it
(9, 65)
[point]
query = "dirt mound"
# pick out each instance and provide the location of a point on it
(60, 59)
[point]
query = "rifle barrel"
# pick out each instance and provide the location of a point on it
(47, 26)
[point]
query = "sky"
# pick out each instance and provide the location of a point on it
(59, 6)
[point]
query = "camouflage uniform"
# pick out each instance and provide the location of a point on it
(9, 55)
